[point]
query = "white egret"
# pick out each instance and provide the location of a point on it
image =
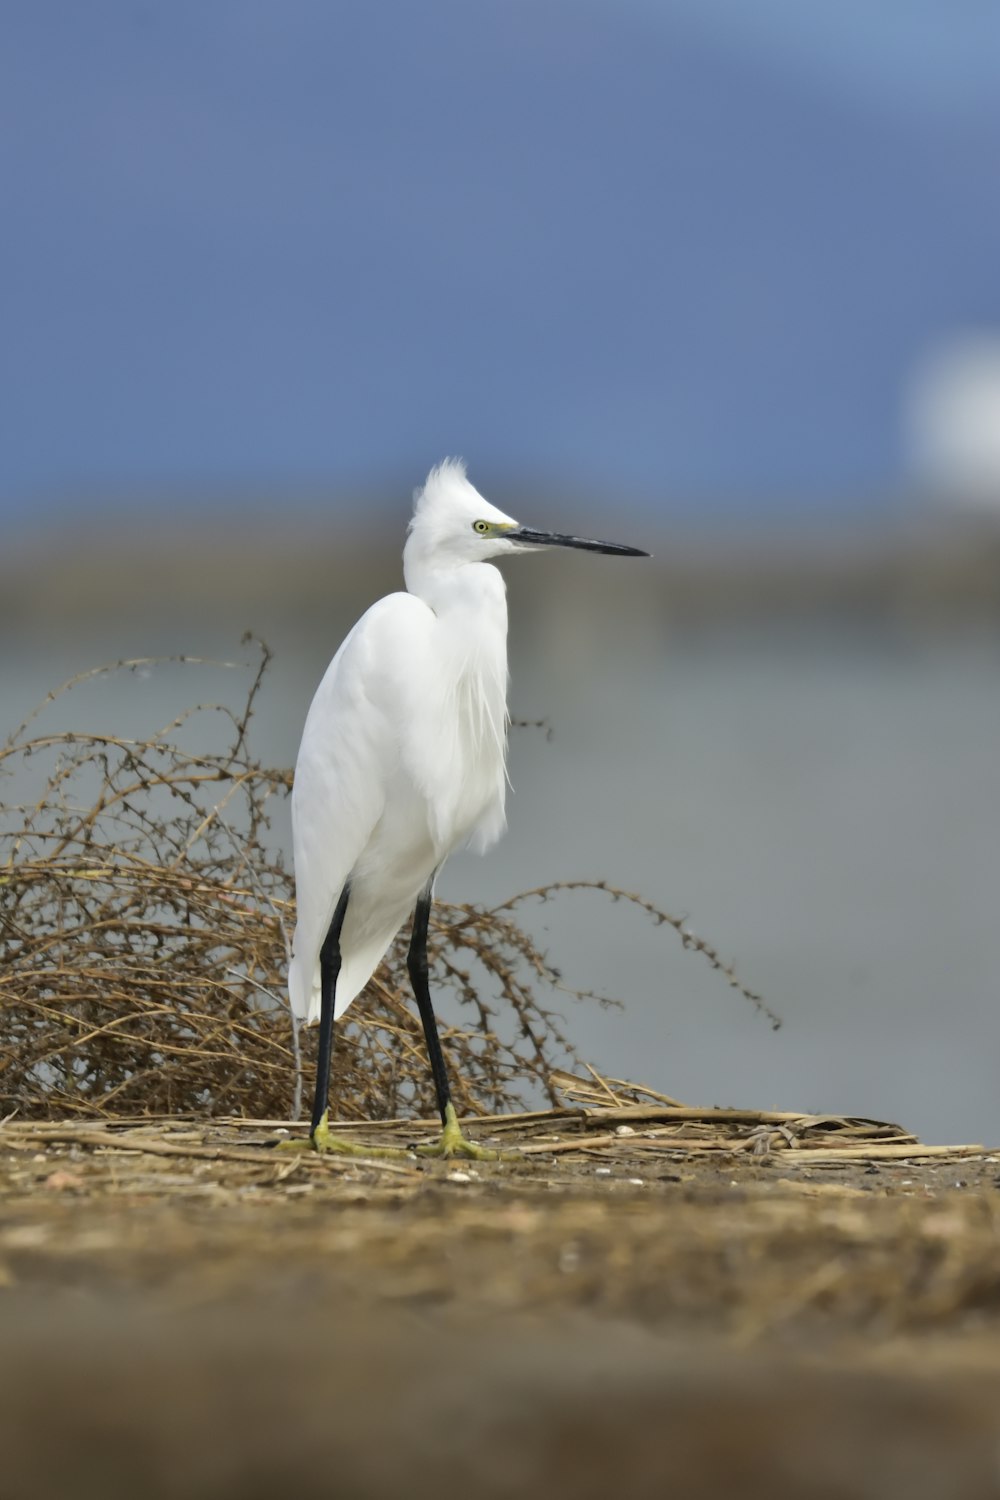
(402, 761)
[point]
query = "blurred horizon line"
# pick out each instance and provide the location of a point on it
(708, 510)
(919, 563)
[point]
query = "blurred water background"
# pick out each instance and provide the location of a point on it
(721, 287)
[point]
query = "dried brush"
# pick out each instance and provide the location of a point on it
(145, 912)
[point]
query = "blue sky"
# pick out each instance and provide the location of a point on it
(683, 252)
(915, 58)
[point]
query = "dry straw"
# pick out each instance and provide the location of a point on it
(145, 911)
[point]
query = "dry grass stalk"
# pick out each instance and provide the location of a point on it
(620, 1134)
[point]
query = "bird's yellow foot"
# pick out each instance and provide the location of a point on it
(453, 1143)
(323, 1141)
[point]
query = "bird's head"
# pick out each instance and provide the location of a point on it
(453, 525)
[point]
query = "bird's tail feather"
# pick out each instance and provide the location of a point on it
(357, 967)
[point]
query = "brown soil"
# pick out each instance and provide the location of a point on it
(718, 1302)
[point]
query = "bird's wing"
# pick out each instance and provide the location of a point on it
(349, 751)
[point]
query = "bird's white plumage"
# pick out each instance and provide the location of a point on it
(403, 753)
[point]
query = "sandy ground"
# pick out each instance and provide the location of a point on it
(188, 1311)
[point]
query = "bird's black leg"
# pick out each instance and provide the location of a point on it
(329, 969)
(320, 1138)
(416, 962)
(452, 1142)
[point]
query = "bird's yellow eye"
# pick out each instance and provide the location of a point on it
(483, 527)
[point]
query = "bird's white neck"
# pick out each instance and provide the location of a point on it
(469, 588)
(467, 700)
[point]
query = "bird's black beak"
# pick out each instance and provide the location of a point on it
(556, 539)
